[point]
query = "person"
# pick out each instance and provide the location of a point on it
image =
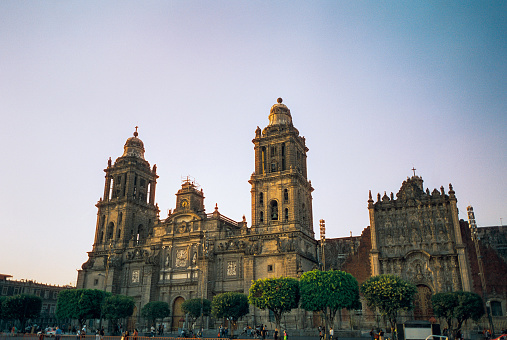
(331, 333)
(135, 333)
(275, 334)
(263, 331)
(152, 330)
(97, 334)
(101, 333)
(381, 335)
(285, 335)
(372, 334)
(320, 333)
(58, 333)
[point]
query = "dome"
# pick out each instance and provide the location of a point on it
(134, 147)
(279, 114)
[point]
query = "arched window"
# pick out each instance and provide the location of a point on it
(118, 233)
(274, 210)
(261, 216)
(261, 198)
(139, 232)
(286, 215)
(110, 229)
(120, 217)
(285, 195)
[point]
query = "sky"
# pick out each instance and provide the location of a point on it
(376, 88)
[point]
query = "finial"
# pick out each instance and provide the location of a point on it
(216, 206)
(369, 195)
(279, 100)
(135, 132)
(413, 169)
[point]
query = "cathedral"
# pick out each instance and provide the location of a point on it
(193, 254)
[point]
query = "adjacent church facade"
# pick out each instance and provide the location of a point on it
(193, 254)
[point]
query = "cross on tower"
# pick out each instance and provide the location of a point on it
(413, 169)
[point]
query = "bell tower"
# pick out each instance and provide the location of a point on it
(281, 192)
(127, 210)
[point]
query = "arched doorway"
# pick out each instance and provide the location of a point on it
(422, 303)
(178, 315)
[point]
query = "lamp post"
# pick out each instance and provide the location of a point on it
(323, 242)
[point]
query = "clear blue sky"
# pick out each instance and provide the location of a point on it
(375, 87)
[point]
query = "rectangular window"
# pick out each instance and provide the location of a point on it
(46, 294)
(270, 268)
(16, 290)
(52, 309)
(96, 282)
(55, 295)
(37, 292)
(4, 290)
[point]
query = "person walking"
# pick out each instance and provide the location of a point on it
(331, 333)
(275, 334)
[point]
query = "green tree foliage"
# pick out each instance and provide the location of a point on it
(2, 299)
(459, 306)
(80, 304)
(194, 307)
(328, 291)
(117, 307)
(280, 295)
(389, 294)
(22, 307)
(155, 310)
(231, 305)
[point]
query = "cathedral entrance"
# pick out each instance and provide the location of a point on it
(178, 315)
(422, 303)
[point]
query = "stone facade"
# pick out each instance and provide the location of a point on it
(192, 253)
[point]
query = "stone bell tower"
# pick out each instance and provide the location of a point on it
(281, 192)
(281, 201)
(127, 211)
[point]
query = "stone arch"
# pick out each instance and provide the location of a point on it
(178, 315)
(273, 213)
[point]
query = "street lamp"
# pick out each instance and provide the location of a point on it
(323, 242)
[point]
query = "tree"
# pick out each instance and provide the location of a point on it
(231, 305)
(194, 307)
(457, 305)
(279, 295)
(80, 304)
(328, 291)
(117, 307)
(2, 299)
(390, 294)
(155, 310)
(22, 307)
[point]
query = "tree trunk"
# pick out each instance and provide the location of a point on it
(278, 319)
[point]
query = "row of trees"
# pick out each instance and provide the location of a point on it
(20, 307)
(324, 292)
(85, 304)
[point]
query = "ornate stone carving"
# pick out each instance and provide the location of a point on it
(181, 258)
